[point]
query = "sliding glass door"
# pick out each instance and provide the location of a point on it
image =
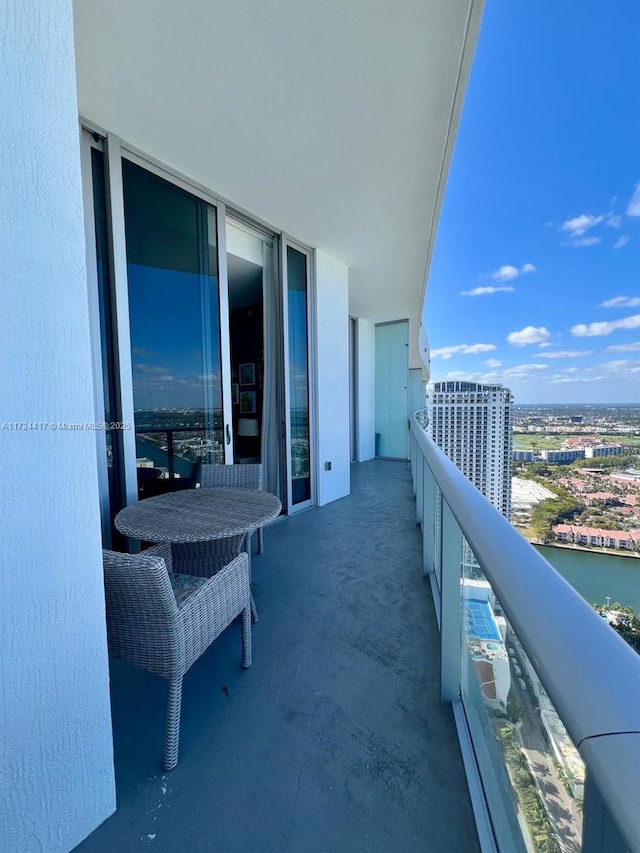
(299, 391)
(201, 326)
(175, 327)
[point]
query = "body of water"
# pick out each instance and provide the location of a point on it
(596, 576)
(160, 458)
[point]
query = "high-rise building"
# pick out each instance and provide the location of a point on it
(472, 424)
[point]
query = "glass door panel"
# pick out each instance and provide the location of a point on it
(110, 451)
(112, 414)
(298, 340)
(174, 316)
(246, 271)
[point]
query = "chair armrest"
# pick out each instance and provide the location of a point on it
(206, 613)
(164, 551)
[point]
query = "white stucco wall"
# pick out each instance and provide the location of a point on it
(366, 390)
(56, 763)
(332, 371)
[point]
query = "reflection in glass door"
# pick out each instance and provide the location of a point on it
(174, 317)
(298, 340)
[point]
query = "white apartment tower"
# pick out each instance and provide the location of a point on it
(472, 424)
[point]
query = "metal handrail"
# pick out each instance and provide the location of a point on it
(590, 674)
(169, 431)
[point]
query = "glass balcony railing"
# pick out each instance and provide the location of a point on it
(545, 694)
(171, 451)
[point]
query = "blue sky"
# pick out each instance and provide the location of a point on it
(535, 277)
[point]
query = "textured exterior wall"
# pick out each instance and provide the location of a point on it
(332, 337)
(366, 401)
(56, 764)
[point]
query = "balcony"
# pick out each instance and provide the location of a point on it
(336, 738)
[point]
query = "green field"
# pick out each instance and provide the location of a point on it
(542, 441)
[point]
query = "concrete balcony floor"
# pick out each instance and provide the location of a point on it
(335, 739)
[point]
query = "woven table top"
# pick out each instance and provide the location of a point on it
(198, 515)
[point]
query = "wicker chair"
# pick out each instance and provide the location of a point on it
(163, 621)
(234, 477)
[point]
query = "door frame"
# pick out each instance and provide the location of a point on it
(88, 142)
(309, 254)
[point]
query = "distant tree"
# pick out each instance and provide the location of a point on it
(626, 624)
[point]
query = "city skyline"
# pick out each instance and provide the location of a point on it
(537, 255)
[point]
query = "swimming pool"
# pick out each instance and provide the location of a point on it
(479, 620)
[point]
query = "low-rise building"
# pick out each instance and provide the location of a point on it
(621, 540)
(606, 498)
(603, 450)
(562, 457)
(524, 455)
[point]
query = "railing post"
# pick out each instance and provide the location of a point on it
(419, 488)
(170, 461)
(428, 521)
(450, 634)
(413, 455)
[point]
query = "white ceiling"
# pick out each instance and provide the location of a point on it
(333, 120)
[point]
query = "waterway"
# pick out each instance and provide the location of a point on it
(160, 458)
(596, 576)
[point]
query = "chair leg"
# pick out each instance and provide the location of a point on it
(247, 548)
(246, 637)
(172, 732)
(260, 541)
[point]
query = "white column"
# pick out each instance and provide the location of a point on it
(366, 391)
(56, 763)
(332, 371)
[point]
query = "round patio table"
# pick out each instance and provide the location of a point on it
(198, 515)
(188, 520)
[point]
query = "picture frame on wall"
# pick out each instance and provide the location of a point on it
(235, 393)
(247, 402)
(248, 373)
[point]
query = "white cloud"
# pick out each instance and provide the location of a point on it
(529, 335)
(574, 353)
(151, 370)
(485, 291)
(621, 365)
(633, 208)
(586, 241)
(564, 380)
(493, 362)
(461, 349)
(621, 302)
(461, 375)
(614, 221)
(621, 241)
(634, 347)
(579, 225)
(590, 330)
(507, 272)
(534, 367)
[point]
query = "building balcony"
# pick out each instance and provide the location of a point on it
(336, 738)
